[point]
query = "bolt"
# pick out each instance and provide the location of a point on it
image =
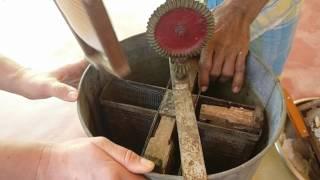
(180, 30)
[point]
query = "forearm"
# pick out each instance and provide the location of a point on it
(248, 8)
(20, 160)
(9, 74)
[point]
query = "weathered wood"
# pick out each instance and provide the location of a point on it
(167, 105)
(160, 146)
(191, 155)
(226, 144)
(231, 117)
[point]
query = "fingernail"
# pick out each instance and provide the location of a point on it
(73, 95)
(204, 88)
(147, 163)
(236, 89)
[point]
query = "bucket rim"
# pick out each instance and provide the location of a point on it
(251, 161)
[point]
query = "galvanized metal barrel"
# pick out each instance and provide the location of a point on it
(131, 120)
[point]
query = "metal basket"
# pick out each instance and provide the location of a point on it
(127, 111)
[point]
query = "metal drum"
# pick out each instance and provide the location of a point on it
(126, 111)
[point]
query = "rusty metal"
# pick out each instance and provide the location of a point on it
(134, 93)
(223, 158)
(180, 69)
(167, 105)
(191, 154)
(161, 146)
(132, 121)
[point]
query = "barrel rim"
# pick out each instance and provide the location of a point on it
(278, 145)
(250, 162)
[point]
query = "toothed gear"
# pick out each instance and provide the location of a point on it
(181, 70)
(180, 28)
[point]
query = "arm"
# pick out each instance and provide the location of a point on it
(86, 158)
(19, 160)
(82, 159)
(225, 55)
(19, 80)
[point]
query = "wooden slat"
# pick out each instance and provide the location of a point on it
(232, 115)
(236, 118)
(160, 146)
(91, 25)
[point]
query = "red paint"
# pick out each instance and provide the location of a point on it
(181, 30)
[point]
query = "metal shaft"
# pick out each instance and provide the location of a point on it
(192, 161)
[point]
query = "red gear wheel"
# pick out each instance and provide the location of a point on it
(180, 29)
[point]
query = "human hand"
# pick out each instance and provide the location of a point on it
(59, 83)
(91, 158)
(225, 55)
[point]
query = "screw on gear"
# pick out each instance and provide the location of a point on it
(180, 28)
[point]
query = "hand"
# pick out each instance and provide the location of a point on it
(225, 55)
(59, 83)
(91, 158)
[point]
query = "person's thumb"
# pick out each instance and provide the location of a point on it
(126, 157)
(63, 91)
